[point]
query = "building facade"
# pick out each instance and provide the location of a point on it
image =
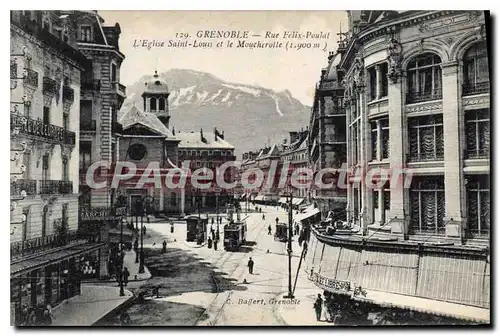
(295, 152)
(417, 102)
(47, 251)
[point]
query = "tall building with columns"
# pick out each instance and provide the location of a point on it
(417, 103)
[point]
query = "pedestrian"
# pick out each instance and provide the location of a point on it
(277, 220)
(48, 316)
(215, 244)
(125, 276)
(263, 217)
(212, 220)
(296, 229)
(318, 306)
(125, 319)
(136, 245)
(250, 266)
(209, 242)
(171, 227)
(269, 230)
(164, 250)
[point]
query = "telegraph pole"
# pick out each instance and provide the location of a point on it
(289, 249)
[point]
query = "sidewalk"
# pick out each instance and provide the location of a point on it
(93, 304)
(133, 268)
(302, 313)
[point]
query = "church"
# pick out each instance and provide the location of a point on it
(147, 137)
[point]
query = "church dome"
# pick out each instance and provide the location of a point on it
(156, 85)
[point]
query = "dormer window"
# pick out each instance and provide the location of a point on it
(86, 33)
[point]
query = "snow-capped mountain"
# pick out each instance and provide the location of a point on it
(250, 116)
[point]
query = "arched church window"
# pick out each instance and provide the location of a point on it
(161, 104)
(152, 104)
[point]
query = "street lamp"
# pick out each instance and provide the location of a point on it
(140, 205)
(122, 291)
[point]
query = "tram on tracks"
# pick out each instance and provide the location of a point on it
(281, 232)
(196, 229)
(235, 232)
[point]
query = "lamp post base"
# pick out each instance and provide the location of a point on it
(289, 296)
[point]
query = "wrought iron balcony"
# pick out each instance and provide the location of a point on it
(28, 126)
(87, 125)
(56, 187)
(91, 85)
(482, 153)
(49, 86)
(31, 78)
(16, 187)
(68, 93)
(470, 89)
(45, 244)
(425, 157)
(418, 97)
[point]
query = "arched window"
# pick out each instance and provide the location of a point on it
(152, 104)
(424, 78)
(476, 72)
(161, 104)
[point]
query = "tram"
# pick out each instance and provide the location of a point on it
(196, 229)
(281, 232)
(235, 232)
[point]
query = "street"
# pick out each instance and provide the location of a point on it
(200, 286)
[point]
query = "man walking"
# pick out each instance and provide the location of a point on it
(318, 305)
(125, 275)
(269, 230)
(250, 266)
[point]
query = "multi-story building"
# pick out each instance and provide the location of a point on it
(327, 136)
(102, 96)
(295, 152)
(418, 103)
(47, 252)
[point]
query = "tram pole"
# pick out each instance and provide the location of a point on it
(289, 249)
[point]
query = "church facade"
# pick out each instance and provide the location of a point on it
(147, 138)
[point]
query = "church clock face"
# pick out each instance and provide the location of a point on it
(137, 152)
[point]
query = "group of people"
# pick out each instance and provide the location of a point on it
(36, 316)
(213, 238)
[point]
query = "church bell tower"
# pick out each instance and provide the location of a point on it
(155, 98)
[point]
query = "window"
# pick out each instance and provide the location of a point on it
(424, 79)
(476, 72)
(86, 33)
(427, 201)
(426, 138)
(46, 115)
(65, 172)
(477, 132)
(45, 168)
(26, 216)
(85, 156)
(65, 121)
(152, 104)
(478, 205)
(377, 76)
(44, 221)
(27, 165)
(65, 214)
(372, 75)
(137, 152)
(113, 72)
(161, 104)
(380, 139)
(85, 197)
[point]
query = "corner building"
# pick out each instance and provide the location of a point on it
(417, 97)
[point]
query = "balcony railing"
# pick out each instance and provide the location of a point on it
(91, 85)
(56, 187)
(120, 88)
(418, 97)
(37, 128)
(68, 93)
(16, 187)
(475, 88)
(36, 245)
(49, 86)
(425, 157)
(31, 78)
(88, 125)
(483, 153)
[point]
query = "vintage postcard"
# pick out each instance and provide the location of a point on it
(249, 168)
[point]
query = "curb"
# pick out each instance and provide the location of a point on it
(197, 246)
(122, 306)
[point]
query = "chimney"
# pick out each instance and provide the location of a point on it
(215, 133)
(201, 134)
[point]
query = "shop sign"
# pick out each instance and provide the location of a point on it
(102, 214)
(332, 284)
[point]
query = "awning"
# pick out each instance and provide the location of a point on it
(426, 306)
(49, 258)
(259, 198)
(297, 201)
(282, 200)
(306, 215)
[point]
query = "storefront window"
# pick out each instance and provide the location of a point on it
(427, 205)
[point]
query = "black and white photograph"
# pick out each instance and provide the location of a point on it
(209, 168)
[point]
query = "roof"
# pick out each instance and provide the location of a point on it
(193, 140)
(156, 85)
(332, 71)
(135, 116)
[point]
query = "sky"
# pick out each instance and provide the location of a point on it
(278, 69)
